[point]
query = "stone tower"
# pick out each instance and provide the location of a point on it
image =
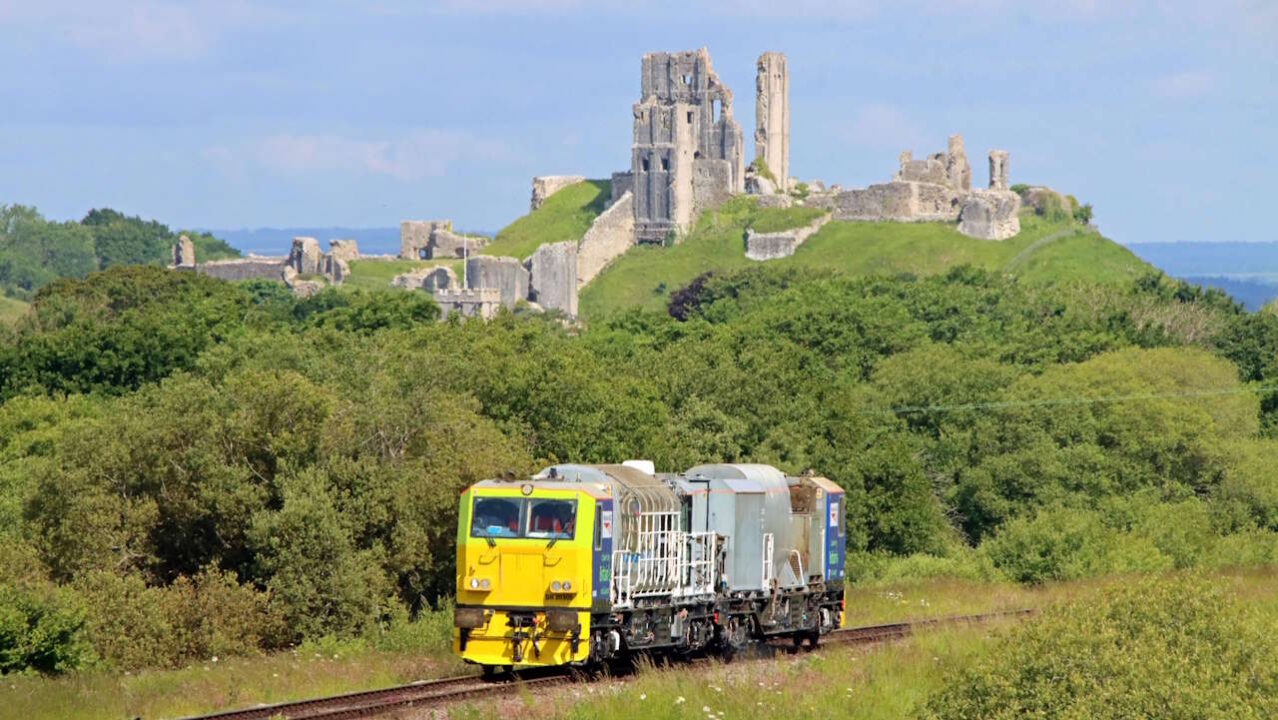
(957, 170)
(772, 115)
(998, 170)
(688, 151)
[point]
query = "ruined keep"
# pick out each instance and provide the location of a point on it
(687, 148)
(772, 114)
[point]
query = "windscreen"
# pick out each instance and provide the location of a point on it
(497, 517)
(552, 519)
(506, 517)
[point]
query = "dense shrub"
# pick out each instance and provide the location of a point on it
(1170, 648)
(41, 629)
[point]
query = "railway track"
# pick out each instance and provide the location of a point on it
(447, 691)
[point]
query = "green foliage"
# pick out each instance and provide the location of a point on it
(207, 247)
(121, 240)
(760, 168)
(133, 625)
(566, 215)
(1052, 208)
(1019, 188)
(1083, 214)
(34, 252)
(800, 191)
(41, 630)
(1170, 648)
(291, 467)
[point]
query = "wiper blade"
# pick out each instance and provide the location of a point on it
(552, 542)
(491, 542)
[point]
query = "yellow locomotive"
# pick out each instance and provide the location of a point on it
(584, 563)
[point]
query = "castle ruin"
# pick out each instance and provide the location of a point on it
(772, 115)
(687, 153)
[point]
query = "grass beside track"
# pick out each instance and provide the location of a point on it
(884, 682)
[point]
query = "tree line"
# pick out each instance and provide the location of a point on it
(191, 467)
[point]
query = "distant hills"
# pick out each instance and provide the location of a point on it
(275, 241)
(1246, 270)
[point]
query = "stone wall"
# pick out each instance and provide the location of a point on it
(899, 202)
(622, 183)
(552, 280)
(990, 215)
(609, 236)
(253, 267)
(345, 250)
(770, 246)
(957, 169)
(448, 244)
(184, 253)
(507, 275)
(435, 239)
(998, 170)
(711, 184)
(772, 113)
(414, 237)
(543, 186)
(468, 303)
(305, 257)
(429, 279)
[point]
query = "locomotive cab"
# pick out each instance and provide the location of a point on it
(525, 554)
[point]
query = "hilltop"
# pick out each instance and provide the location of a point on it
(1045, 251)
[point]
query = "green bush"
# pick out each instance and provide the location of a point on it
(885, 569)
(1019, 188)
(41, 629)
(1171, 648)
(1083, 214)
(132, 625)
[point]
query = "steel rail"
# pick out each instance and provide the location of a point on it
(446, 691)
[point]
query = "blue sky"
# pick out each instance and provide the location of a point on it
(235, 113)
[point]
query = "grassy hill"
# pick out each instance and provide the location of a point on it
(1043, 252)
(566, 215)
(11, 310)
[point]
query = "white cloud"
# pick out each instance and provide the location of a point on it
(411, 156)
(130, 30)
(1184, 85)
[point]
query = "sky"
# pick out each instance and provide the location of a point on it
(239, 113)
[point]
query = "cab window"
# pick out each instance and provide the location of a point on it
(552, 519)
(496, 517)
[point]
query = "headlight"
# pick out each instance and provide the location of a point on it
(567, 586)
(474, 583)
(484, 584)
(556, 586)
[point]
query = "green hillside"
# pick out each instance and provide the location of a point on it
(11, 310)
(566, 215)
(1043, 252)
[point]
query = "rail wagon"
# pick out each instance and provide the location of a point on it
(581, 564)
